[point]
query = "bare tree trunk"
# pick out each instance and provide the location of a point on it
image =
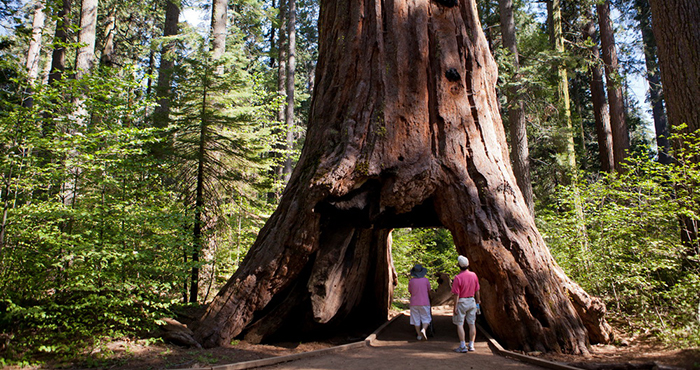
(557, 38)
(199, 205)
(85, 58)
(404, 130)
(520, 151)
(569, 150)
(273, 32)
(58, 60)
(278, 148)
(34, 51)
(678, 40)
(654, 79)
(84, 61)
(282, 61)
(218, 28)
(109, 48)
(290, 78)
(620, 133)
(167, 63)
(600, 104)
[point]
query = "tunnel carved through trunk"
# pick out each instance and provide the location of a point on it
(404, 131)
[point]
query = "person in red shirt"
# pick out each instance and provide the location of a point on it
(419, 287)
(465, 288)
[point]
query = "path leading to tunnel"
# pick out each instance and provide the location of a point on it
(396, 347)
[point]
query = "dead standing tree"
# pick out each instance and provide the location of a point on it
(404, 132)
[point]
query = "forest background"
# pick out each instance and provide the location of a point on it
(140, 155)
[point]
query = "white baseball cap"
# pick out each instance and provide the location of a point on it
(463, 261)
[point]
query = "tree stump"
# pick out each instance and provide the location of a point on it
(404, 131)
(442, 295)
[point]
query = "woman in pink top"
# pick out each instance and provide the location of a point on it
(419, 287)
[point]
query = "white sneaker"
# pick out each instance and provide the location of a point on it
(420, 337)
(423, 335)
(471, 348)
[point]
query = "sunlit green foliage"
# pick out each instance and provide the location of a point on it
(95, 226)
(633, 256)
(220, 135)
(89, 229)
(432, 248)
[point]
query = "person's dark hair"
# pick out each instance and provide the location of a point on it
(463, 268)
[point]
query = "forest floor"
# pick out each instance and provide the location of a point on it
(139, 355)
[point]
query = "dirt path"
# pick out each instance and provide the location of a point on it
(396, 347)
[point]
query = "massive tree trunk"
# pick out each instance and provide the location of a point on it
(620, 133)
(520, 151)
(404, 131)
(600, 104)
(675, 25)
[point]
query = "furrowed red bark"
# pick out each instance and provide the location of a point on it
(404, 131)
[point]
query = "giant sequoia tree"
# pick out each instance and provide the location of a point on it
(404, 131)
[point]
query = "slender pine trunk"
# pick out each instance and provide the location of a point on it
(598, 97)
(654, 79)
(618, 124)
(520, 152)
(290, 80)
(557, 37)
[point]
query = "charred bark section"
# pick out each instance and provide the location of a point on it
(404, 130)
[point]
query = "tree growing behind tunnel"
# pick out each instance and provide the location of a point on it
(404, 131)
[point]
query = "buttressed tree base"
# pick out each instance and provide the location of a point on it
(404, 131)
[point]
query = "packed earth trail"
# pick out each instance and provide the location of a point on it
(396, 347)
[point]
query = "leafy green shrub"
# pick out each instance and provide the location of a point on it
(91, 236)
(432, 248)
(73, 324)
(632, 254)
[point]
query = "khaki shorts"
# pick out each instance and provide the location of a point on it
(466, 311)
